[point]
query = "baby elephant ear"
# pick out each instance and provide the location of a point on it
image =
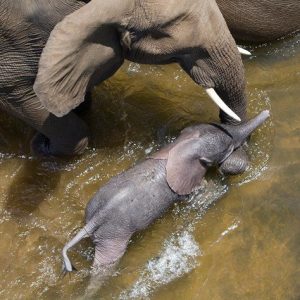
(84, 44)
(184, 168)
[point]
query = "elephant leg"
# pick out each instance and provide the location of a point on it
(107, 255)
(108, 252)
(236, 163)
(56, 136)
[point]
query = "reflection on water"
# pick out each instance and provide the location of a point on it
(236, 238)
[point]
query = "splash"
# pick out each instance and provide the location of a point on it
(178, 257)
(199, 202)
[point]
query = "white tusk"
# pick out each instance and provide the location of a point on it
(215, 97)
(243, 51)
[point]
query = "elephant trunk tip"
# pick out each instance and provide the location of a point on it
(241, 132)
(265, 113)
(261, 117)
(247, 128)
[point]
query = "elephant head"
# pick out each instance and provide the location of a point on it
(90, 44)
(201, 146)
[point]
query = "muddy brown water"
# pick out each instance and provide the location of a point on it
(237, 238)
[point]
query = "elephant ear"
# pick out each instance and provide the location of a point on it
(83, 42)
(185, 166)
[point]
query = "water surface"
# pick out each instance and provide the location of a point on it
(238, 238)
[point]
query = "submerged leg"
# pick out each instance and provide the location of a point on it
(107, 255)
(108, 252)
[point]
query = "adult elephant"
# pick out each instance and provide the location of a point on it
(261, 20)
(90, 44)
(24, 29)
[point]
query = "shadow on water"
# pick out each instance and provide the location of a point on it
(29, 182)
(30, 187)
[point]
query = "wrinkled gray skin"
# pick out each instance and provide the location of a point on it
(25, 26)
(260, 20)
(89, 45)
(131, 201)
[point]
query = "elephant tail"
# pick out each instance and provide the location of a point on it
(85, 232)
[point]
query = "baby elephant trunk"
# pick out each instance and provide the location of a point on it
(241, 132)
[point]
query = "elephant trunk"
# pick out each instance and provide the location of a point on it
(225, 70)
(241, 132)
(230, 80)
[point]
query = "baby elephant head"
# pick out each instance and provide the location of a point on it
(201, 146)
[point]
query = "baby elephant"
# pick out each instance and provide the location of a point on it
(132, 200)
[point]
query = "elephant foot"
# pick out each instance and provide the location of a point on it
(236, 163)
(40, 145)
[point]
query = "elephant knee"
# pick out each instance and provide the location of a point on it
(74, 143)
